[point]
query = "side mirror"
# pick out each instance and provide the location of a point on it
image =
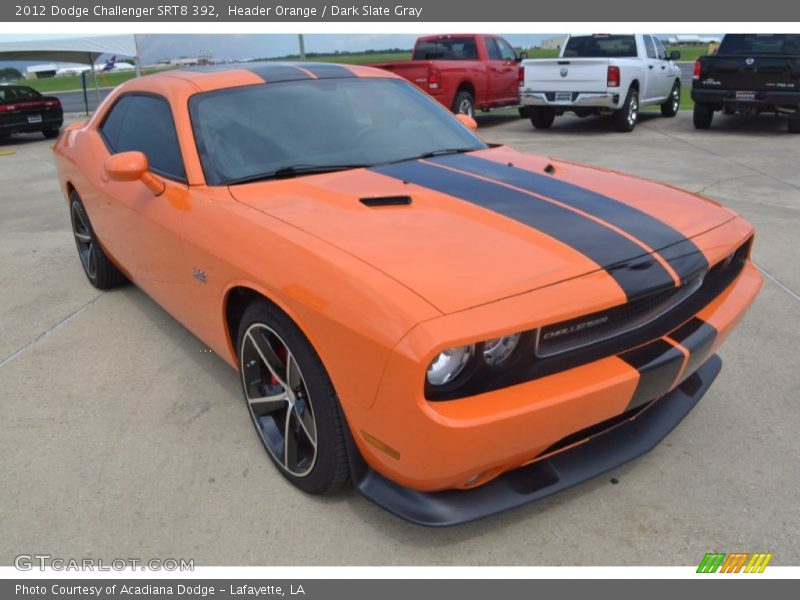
(675, 55)
(133, 166)
(467, 121)
(522, 56)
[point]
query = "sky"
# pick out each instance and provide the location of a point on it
(153, 47)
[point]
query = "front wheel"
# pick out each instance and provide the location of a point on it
(702, 115)
(626, 117)
(464, 104)
(542, 118)
(291, 400)
(673, 103)
(100, 271)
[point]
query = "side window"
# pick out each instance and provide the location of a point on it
(648, 44)
(506, 51)
(660, 50)
(113, 122)
(491, 48)
(148, 127)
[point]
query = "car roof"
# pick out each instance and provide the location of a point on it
(274, 72)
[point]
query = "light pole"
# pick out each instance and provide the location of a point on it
(302, 46)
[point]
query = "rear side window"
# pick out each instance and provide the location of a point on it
(648, 44)
(144, 123)
(600, 46)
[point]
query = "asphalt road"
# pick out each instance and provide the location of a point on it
(121, 437)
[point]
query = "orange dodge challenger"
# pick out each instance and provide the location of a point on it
(456, 327)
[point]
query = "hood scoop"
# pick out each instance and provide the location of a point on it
(383, 201)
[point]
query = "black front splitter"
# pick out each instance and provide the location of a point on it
(605, 451)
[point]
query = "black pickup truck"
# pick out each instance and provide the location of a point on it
(750, 74)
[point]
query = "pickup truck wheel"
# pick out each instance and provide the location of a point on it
(464, 104)
(794, 124)
(673, 103)
(542, 118)
(626, 117)
(702, 115)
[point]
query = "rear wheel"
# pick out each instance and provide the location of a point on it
(542, 118)
(464, 104)
(673, 103)
(702, 115)
(100, 271)
(626, 117)
(291, 400)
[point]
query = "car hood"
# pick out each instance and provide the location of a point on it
(468, 229)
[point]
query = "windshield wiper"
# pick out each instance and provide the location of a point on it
(434, 153)
(295, 171)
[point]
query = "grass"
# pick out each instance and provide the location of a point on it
(70, 83)
(689, 53)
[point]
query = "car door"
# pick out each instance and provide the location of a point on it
(503, 71)
(650, 87)
(663, 69)
(144, 228)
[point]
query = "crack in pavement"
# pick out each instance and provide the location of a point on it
(782, 285)
(49, 330)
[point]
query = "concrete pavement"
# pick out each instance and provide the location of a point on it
(122, 437)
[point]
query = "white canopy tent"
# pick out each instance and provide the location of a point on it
(73, 49)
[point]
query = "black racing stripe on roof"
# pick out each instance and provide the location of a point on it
(675, 248)
(626, 262)
(273, 72)
(327, 71)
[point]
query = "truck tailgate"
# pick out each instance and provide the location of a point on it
(566, 74)
(415, 71)
(762, 74)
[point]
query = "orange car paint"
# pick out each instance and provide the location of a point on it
(377, 316)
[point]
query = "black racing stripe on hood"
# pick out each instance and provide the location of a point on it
(675, 248)
(636, 273)
(327, 71)
(274, 72)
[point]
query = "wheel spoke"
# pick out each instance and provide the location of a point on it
(293, 377)
(289, 443)
(265, 405)
(83, 238)
(90, 260)
(307, 425)
(268, 357)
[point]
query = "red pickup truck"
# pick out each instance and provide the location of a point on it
(464, 71)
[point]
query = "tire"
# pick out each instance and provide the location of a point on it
(316, 461)
(542, 118)
(99, 270)
(672, 105)
(50, 133)
(794, 124)
(464, 104)
(702, 115)
(626, 117)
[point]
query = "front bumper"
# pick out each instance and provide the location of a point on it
(599, 453)
(579, 100)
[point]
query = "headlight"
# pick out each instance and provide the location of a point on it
(497, 351)
(449, 364)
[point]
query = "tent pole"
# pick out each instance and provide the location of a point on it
(85, 95)
(94, 76)
(136, 61)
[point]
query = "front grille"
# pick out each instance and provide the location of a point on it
(597, 327)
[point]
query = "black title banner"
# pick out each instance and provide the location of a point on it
(452, 11)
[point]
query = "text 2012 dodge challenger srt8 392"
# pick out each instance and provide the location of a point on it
(456, 328)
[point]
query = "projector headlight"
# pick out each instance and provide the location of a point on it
(497, 351)
(448, 364)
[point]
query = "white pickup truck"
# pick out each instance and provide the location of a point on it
(602, 74)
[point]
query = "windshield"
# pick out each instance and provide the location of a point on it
(457, 48)
(752, 43)
(280, 129)
(600, 46)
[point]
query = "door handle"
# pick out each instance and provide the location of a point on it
(650, 67)
(663, 67)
